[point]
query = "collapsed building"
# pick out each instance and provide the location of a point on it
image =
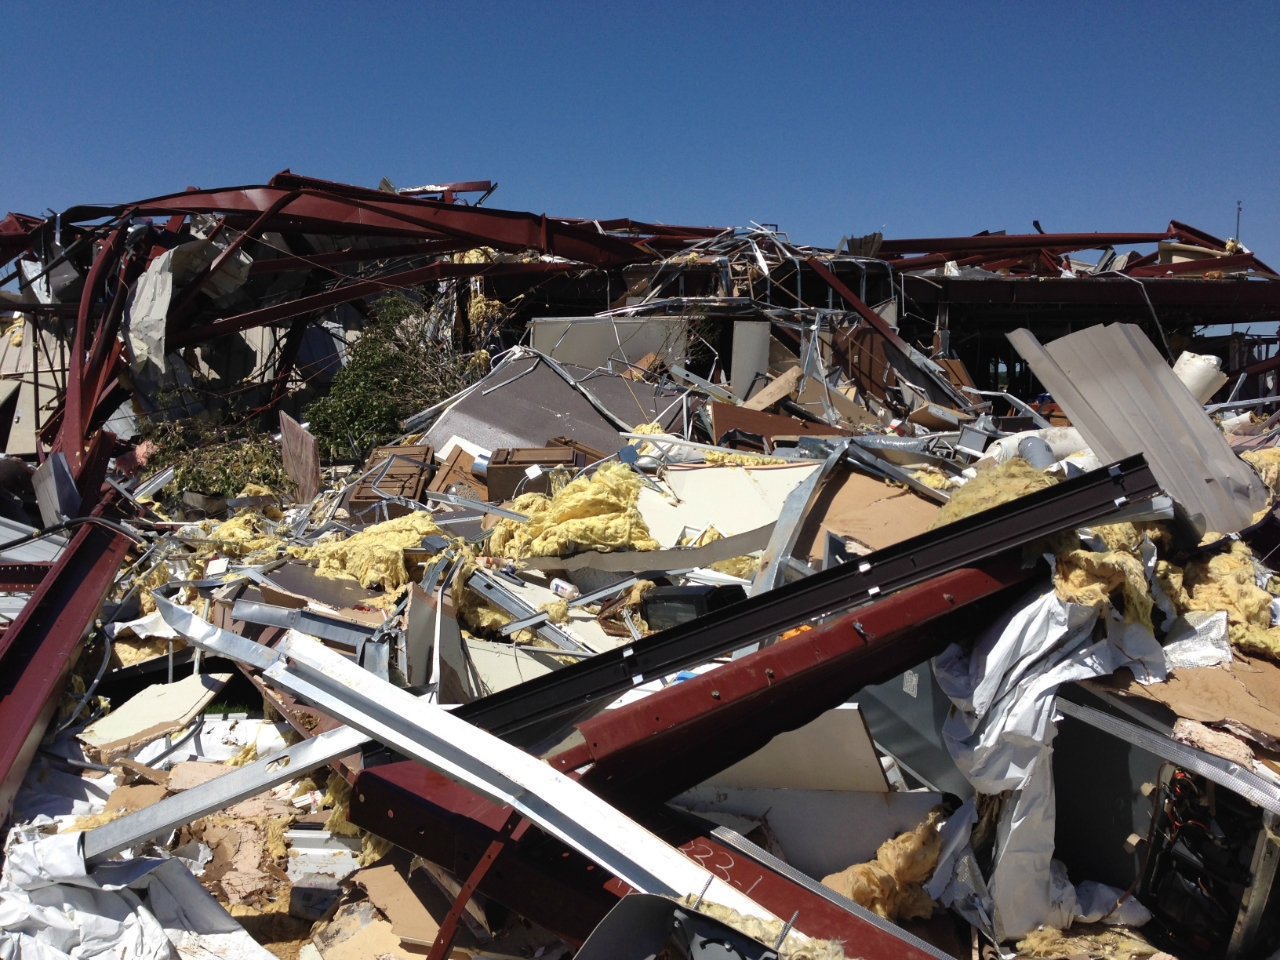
(390, 574)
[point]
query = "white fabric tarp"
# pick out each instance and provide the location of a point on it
(51, 908)
(1000, 734)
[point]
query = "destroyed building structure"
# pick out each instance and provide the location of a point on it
(389, 574)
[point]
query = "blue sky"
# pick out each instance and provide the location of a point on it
(828, 119)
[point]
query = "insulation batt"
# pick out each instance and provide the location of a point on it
(1227, 582)
(1267, 463)
(590, 513)
(375, 555)
(935, 478)
(1012, 479)
(243, 535)
(720, 458)
(1051, 943)
(891, 885)
(1082, 576)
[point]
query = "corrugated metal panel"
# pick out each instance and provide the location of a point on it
(1125, 399)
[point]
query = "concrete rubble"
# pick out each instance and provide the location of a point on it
(388, 575)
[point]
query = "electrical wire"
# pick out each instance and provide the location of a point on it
(87, 696)
(67, 524)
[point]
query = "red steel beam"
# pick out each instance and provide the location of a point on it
(15, 234)
(640, 755)
(230, 250)
(1234, 262)
(1020, 241)
(71, 440)
(43, 643)
(658, 747)
(358, 290)
(375, 213)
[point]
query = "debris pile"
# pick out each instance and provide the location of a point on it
(385, 574)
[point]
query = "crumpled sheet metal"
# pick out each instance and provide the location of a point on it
(1000, 736)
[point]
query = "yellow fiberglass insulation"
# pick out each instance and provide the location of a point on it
(933, 477)
(744, 567)
(1225, 581)
(1090, 940)
(797, 946)
(157, 576)
(243, 535)
(1012, 479)
(375, 555)
(648, 429)
(1089, 578)
(470, 607)
(891, 885)
(557, 611)
(260, 490)
(721, 458)
(1267, 463)
(591, 513)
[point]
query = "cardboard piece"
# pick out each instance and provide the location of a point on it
(1245, 693)
(937, 417)
(857, 507)
(301, 454)
(135, 797)
(193, 773)
(412, 901)
(144, 773)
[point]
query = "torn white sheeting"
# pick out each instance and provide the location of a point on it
(1001, 734)
(218, 740)
(1199, 639)
(149, 627)
(154, 294)
(55, 792)
(141, 909)
(957, 881)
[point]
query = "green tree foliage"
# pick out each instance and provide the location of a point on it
(404, 361)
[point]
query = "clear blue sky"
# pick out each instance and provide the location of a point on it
(828, 119)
